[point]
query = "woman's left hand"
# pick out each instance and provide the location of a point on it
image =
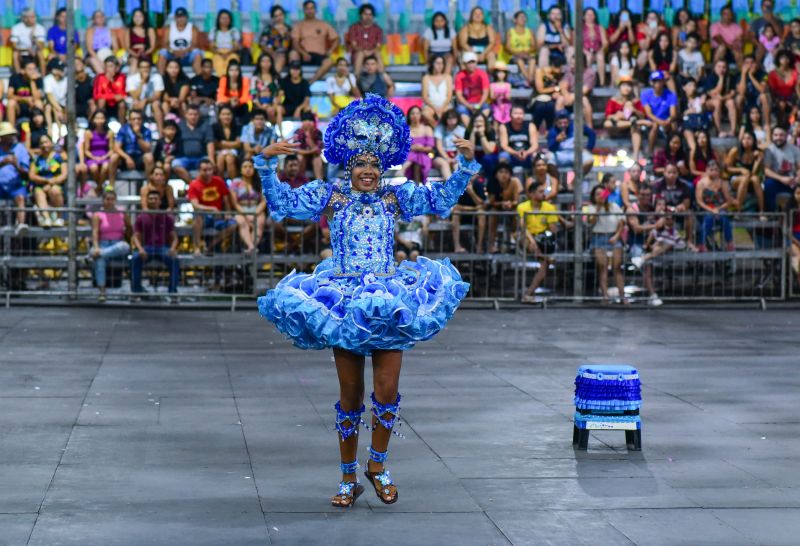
(465, 148)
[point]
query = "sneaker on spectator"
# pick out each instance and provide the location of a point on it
(21, 229)
(655, 301)
(58, 222)
(637, 261)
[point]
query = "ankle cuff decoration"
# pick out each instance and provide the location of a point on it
(378, 456)
(349, 468)
(342, 417)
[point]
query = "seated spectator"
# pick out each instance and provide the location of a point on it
(438, 41)
(296, 92)
(372, 80)
(364, 38)
(771, 42)
(504, 191)
(97, 151)
(647, 32)
(543, 174)
(251, 206)
(713, 197)
(445, 134)
(480, 133)
(110, 229)
(176, 89)
(203, 88)
(227, 141)
(474, 201)
(291, 173)
(309, 140)
(661, 107)
(478, 38)
(622, 65)
(691, 63)
(561, 142)
(553, 37)
(419, 160)
(606, 221)
(234, 91)
(109, 90)
(342, 86)
(700, 155)
(168, 147)
(682, 26)
(757, 25)
(27, 40)
(47, 175)
(84, 91)
(144, 89)
(37, 128)
(595, 43)
(693, 103)
(314, 41)
(753, 123)
(157, 182)
(208, 193)
(500, 95)
(437, 91)
(743, 162)
(519, 140)
(14, 164)
(409, 238)
(472, 89)
(265, 90)
(521, 45)
(225, 42)
(720, 92)
(661, 57)
(569, 85)
(635, 178)
(751, 92)
(182, 43)
(792, 41)
(101, 43)
(782, 83)
(154, 238)
(547, 98)
(57, 36)
(276, 38)
(197, 144)
(673, 153)
(256, 135)
(25, 92)
(781, 168)
(727, 38)
(677, 194)
(540, 230)
(133, 148)
(55, 92)
(620, 31)
(625, 116)
(139, 42)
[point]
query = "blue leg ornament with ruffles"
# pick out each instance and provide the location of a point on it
(347, 423)
(382, 481)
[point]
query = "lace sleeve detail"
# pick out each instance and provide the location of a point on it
(414, 199)
(304, 203)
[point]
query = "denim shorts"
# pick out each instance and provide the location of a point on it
(603, 242)
(217, 222)
(188, 163)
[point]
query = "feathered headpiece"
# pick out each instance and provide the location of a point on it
(371, 125)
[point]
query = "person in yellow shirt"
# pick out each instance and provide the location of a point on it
(520, 44)
(540, 229)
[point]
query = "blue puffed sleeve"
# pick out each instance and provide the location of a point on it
(303, 203)
(415, 199)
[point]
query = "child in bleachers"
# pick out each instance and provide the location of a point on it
(168, 147)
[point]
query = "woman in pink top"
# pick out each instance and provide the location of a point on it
(110, 228)
(419, 159)
(595, 43)
(500, 95)
(727, 38)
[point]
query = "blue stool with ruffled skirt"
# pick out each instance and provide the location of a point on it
(607, 397)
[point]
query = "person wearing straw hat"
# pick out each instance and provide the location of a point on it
(14, 164)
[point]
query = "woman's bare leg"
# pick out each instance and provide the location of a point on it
(350, 370)
(386, 378)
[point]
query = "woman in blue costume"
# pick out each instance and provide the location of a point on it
(359, 302)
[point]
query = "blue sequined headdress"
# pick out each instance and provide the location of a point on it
(372, 125)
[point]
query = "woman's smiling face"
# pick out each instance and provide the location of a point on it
(365, 173)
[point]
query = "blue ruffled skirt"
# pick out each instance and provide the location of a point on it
(366, 312)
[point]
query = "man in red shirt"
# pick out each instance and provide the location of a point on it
(208, 193)
(472, 89)
(625, 115)
(364, 38)
(109, 90)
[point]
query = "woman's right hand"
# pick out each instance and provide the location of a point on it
(280, 148)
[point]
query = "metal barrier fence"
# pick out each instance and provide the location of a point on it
(492, 250)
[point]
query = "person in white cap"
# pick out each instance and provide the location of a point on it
(14, 164)
(472, 89)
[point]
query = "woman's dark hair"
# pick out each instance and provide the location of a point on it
(59, 11)
(365, 7)
(272, 72)
(660, 55)
(37, 112)
(740, 147)
(785, 54)
(518, 13)
(221, 109)
(408, 114)
(446, 24)
(587, 10)
(707, 153)
(220, 13)
(676, 20)
(275, 9)
(748, 123)
(181, 74)
(451, 113)
(145, 25)
(471, 126)
(593, 194)
(91, 121)
(433, 59)
(472, 12)
(235, 63)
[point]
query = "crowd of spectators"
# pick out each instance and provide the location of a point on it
(707, 112)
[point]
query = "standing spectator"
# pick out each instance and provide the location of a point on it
(783, 83)
(540, 230)
(437, 90)
(479, 38)
(504, 191)
(309, 140)
(157, 182)
(47, 176)
(720, 91)
(713, 197)
(646, 34)
(519, 140)
(101, 43)
(654, 230)
(521, 46)
(606, 221)
(342, 86)
(97, 150)
(500, 94)
(14, 165)
(625, 116)
(553, 37)
(27, 40)
(249, 202)
(227, 141)
(372, 80)
(203, 88)
(154, 238)
(364, 38)
(276, 38)
(234, 91)
(691, 63)
(133, 147)
(84, 91)
(472, 89)
(547, 97)
(561, 141)
(595, 43)
(265, 89)
(419, 160)
(727, 38)
(296, 92)
(168, 146)
(438, 41)
(661, 107)
(620, 31)
(140, 40)
(110, 229)
(144, 89)
(57, 36)
(24, 92)
(176, 89)
(109, 90)
(744, 162)
(225, 42)
(314, 41)
(208, 193)
(445, 134)
(751, 91)
(781, 168)
(197, 143)
(55, 91)
(256, 135)
(182, 43)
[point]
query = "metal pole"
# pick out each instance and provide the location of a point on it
(72, 239)
(577, 183)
